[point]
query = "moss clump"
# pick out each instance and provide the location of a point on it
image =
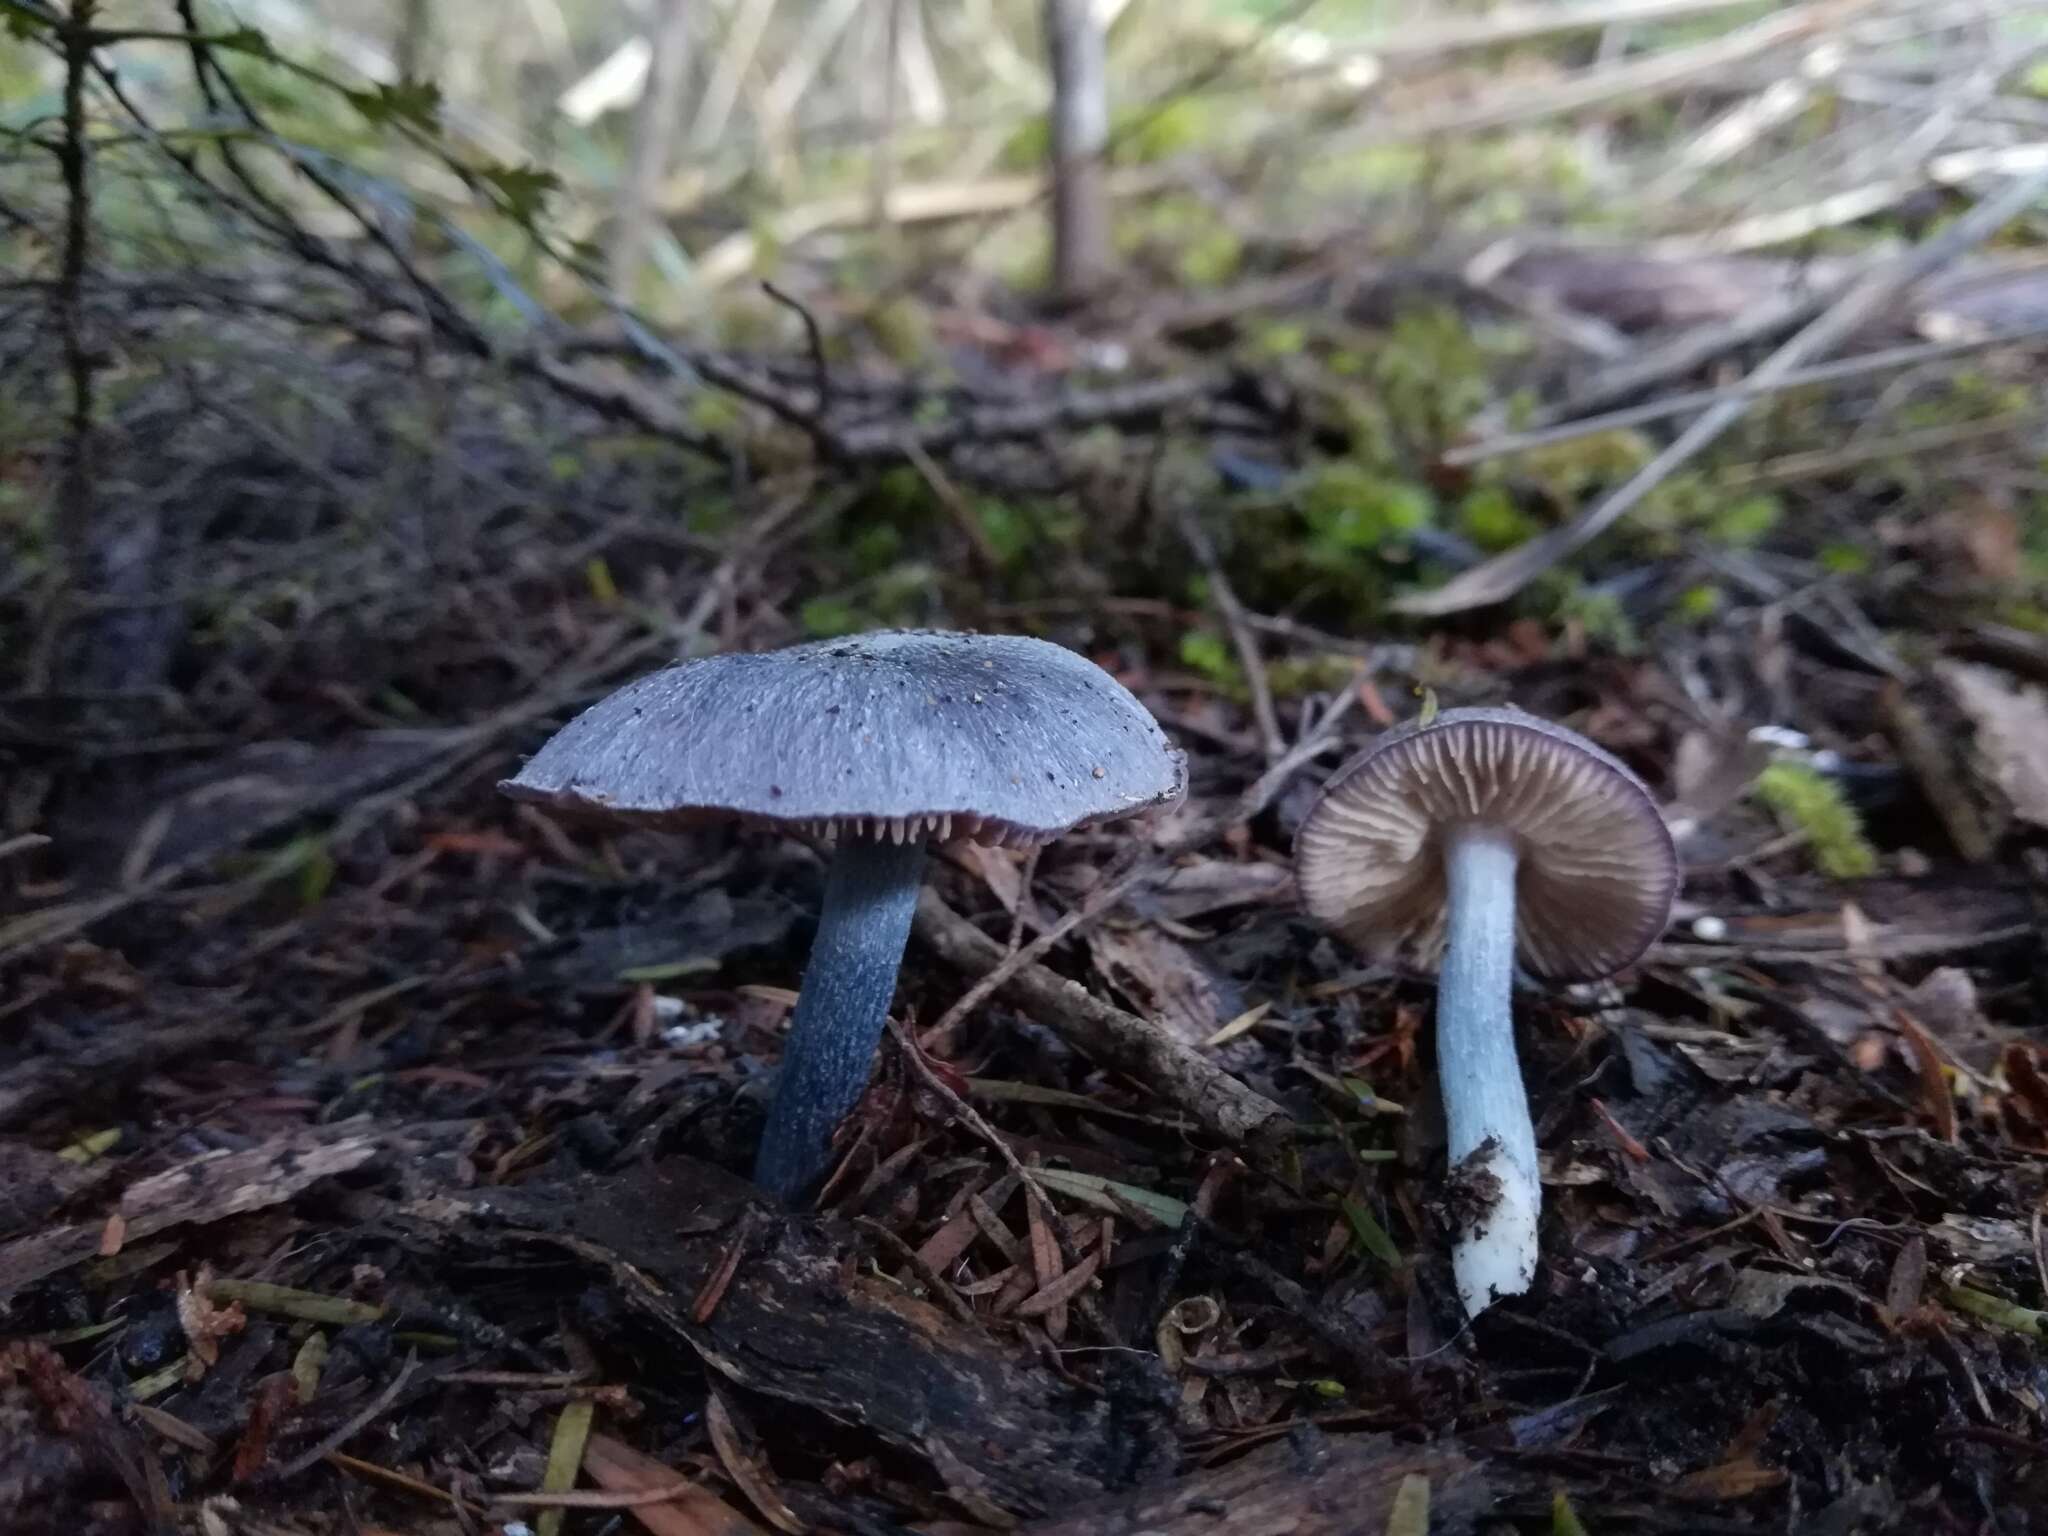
(1571, 470)
(1294, 676)
(1601, 617)
(1145, 134)
(1351, 510)
(1023, 534)
(1212, 260)
(1489, 517)
(1140, 133)
(1816, 807)
(826, 617)
(1698, 604)
(1746, 522)
(1277, 339)
(1430, 377)
(1208, 655)
(1184, 236)
(902, 328)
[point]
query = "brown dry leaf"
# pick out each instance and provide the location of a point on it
(1062, 1290)
(273, 1401)
(2026, 1082)
(204, 1323)
(2012, 734)
(1203, 886)
(744, 1470)
(1934, 1088)
(1045, 1262)
(1165, 981)
(1000, 869)
(1945, 1004)
(1736, 1479)
(1908, 1282)
(617, 1468)
(1711, 772)
(1987, 535)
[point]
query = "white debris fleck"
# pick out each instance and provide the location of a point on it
(1781, 736)
(681, 1036)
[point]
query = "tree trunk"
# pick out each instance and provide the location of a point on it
(655, 129)
(1080, 135)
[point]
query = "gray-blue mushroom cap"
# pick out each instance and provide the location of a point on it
(901, 734)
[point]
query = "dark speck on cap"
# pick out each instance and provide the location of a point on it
(690, 743)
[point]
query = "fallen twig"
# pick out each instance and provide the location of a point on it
(371, 1411)
(1910, 356)
(1503, 576)
(1225, 598)
(1121, 1041)
(1254, 800)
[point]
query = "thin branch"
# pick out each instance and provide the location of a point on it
(1108, 896)
(373, 1410)
(1248, 656)
(1501, 577)
(814, 338)
(1910, 356)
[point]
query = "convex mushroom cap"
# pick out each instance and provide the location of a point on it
(1596, 871)
(880, 743)
(901, 735)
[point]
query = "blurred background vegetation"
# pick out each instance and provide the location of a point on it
(411, 293)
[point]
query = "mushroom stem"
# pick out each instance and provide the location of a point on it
(870, 896)
(1485, 1108)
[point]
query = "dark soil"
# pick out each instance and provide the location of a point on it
(360, 1125)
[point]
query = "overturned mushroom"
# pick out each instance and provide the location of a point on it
(1478, 832)
(881, 744)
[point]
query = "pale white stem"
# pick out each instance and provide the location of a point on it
(1486, 1110)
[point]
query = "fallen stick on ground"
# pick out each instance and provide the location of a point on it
(1121, 1041)
(1255, 799)
(1502, 577)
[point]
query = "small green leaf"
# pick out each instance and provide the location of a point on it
(86, 1148)
(1372, 1237)
(1103, 1194)
(669, 970)
(290, 1301)
(1409, 1513)
(1564, 1520)
(1999, 1312)
(565, 1458)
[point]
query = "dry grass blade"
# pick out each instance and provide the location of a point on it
(652, 1494)
(565, 1460)
(744, 1470)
